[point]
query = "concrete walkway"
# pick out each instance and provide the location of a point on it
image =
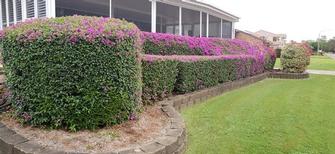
(331, 55)
(321, 72)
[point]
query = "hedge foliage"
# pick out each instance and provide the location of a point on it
(295, 58)
(195, 72)
(73, 72)
(159, 78)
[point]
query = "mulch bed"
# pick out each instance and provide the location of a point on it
(150, 125)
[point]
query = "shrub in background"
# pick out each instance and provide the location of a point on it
(159, 78)
(294, 58)
(73, 72)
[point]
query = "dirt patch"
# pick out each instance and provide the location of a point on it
(150, 125)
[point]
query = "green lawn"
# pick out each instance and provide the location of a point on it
(317, 63)
(270, 117)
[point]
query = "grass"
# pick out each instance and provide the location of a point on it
(317, 63)
(272, 116)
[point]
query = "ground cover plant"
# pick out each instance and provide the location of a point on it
(272, 116)
(73, 72)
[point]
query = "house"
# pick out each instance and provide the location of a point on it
(180, 17)
(249, 37)
(277, 41)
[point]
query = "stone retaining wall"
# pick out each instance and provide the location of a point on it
(172, 142)
(282, 75)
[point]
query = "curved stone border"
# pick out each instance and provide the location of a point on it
(172, 142)
(282, 75)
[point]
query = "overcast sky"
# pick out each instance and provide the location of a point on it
(299, 19)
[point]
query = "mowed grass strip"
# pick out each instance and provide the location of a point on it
(272, 116)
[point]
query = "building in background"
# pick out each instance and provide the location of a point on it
(277, 41)
(249, 37)
(180, 17)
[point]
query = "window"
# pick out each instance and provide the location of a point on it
(190, 22)
(226, 29)
(41, 5)
(30, 8)
(204, 24)
(136, 11)
(98, 8)
(214, 26)
(167, 18)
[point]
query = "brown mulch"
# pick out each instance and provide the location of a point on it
(149, 126)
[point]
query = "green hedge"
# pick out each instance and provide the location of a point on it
(159, 78)
(73, 72)
(191, 73)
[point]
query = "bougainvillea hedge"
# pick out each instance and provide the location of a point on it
(168, 44)
(73, 72)
(199, 72)
(159, 78)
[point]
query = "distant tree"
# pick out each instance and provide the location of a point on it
(331, 45)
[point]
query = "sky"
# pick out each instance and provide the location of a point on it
(299, 19)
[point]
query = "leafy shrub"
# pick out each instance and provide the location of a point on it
(203, 72)
(159, 78)
(294, 59)
(168, 44)
(73, 72)
(198, 72)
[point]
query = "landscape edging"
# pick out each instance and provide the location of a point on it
(173, 141)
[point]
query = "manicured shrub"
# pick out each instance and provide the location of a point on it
(159, 78)
(73, 72)
(294, 59)
(199, 72)
(168, 44)
(202, 72)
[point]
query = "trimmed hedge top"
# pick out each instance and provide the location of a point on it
(73, 30)
(73, 72)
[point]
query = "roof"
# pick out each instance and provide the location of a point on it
(201, 6)
(266, 33)
(214, 8)
(248, 33)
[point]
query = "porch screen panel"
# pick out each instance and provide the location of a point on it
(41, 4)
(136, 11)
(226, 29)
(167, 18)
(98, 8)
(214, 26)
(190, 22)
(11, 12)
(18, 10)
(30, 8)
(3, 11)
(204, 24)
